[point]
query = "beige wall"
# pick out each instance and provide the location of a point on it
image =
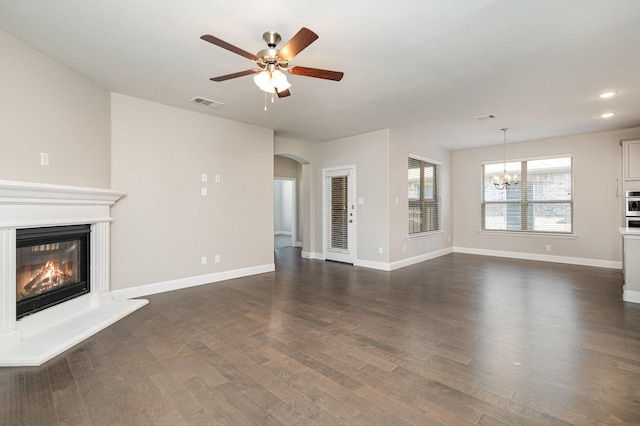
(597, 206)
(285, 167)
(49, 108)
(368, 153)
(302, 152)
(157, 154)
(381, 178)
(401, 246)
(163, 226)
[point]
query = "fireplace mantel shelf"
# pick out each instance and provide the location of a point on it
(13, 192)
(38, 337)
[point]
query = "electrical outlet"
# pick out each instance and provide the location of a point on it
(203, 260)
(548, 247)
(44, 159)
(204, 177)
(203, 191)
(380, 250)
(217, 258)
(217, 178)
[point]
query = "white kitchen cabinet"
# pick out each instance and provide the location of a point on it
(631, 159)
(631, 264)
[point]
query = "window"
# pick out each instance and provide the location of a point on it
(541, 202)
(424, 195)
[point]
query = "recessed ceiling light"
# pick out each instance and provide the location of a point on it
(606, 95)
(607, 114)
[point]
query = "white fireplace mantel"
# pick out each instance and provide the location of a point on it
(36, 338)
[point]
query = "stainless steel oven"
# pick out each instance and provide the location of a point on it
(633, 222)
(633, 204)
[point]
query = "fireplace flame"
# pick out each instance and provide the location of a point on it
(48, 277)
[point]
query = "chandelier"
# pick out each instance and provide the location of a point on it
(506, 181)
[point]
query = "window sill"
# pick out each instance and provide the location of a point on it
(423, 234)
(570, 236)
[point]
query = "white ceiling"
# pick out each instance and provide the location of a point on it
(424, 67)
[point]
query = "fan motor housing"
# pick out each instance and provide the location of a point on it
(269, 55)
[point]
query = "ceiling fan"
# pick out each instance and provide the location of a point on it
(272, 62)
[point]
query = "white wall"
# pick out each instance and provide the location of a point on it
(48, 108)
(597, 205)
(163, 226)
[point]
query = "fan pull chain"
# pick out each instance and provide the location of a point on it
(272, 100)
(265, 101)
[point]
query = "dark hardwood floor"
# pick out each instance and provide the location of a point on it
(457, 340)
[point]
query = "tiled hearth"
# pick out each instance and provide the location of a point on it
(36, 338)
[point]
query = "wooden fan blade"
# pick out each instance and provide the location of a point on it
(229, 47)
(234, 75)
(284, 93)
(297, 44)
(317, 73)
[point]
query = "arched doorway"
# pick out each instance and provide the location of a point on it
(291, 198)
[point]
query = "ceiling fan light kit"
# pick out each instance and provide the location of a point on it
(272, 63)
(272, 81)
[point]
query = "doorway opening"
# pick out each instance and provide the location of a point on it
(339, 211)
(284, 216)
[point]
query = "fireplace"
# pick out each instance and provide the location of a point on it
(52, 266)
(54, 269)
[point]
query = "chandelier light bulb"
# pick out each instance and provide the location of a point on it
(507, 181)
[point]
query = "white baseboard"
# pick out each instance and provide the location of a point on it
(541, 257)
(631, 296)
(421, 258)
(482, 252)
(382, 266)
(161, 287)
(312, 255)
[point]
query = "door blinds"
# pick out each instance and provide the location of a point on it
(339, 213)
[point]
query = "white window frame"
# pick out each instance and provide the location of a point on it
(436, 200)
(524, 203)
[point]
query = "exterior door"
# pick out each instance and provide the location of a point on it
(339, 214)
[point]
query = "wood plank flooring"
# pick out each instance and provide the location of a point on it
(458, 340)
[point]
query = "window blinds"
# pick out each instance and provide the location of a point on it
(424, 195)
